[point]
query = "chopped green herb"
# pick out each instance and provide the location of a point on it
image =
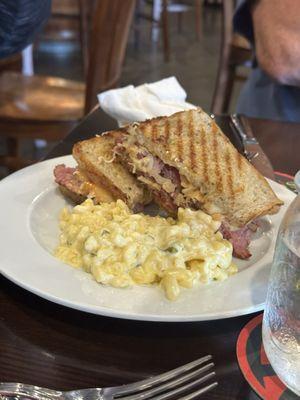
(172, 249)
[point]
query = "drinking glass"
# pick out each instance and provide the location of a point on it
(281, 321)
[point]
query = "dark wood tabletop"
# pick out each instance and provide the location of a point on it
(49, 345)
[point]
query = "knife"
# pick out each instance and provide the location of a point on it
(252, 149)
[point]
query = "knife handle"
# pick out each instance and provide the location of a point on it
(261, 162)
(239, 124)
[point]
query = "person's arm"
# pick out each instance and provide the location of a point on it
(276, 26)
(20, 21)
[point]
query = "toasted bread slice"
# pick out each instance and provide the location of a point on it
(227, 183)
(96, 159)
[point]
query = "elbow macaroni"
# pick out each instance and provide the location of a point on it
(121, 249)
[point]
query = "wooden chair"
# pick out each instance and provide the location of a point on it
(160, 19)
(63, 23)
(235, 52)
(179, 9)
(69, 22)
(45, 107)
(12, 63)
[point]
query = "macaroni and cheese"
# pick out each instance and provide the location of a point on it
(121, 249)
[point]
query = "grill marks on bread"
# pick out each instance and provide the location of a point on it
(239, 161)
(203, 154)
(155, 132)
(167, 131)
(217, 169)
(179, 137)
(191, 142)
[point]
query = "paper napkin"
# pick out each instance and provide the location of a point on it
(135, 104)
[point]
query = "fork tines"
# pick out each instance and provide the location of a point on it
(185, 383)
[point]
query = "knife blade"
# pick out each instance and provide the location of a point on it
(252, 149)
(223, 121)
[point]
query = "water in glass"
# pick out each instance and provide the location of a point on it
(281, 322)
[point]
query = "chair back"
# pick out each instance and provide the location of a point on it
(105, 43)
(235, 51)
(11, 63)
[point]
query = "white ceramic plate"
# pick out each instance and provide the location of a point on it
(30, 205)
(297, 181)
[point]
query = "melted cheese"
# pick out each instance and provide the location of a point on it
(90, 189)
(146, 165)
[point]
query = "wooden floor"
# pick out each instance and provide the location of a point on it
(194, 62)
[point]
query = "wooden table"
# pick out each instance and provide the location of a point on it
(49, 345)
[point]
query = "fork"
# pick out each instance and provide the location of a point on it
(184, 380)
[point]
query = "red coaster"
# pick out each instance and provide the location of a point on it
(255, 365)
(284, 179)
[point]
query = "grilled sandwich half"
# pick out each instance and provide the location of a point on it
(99, 175)
(186, 161)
